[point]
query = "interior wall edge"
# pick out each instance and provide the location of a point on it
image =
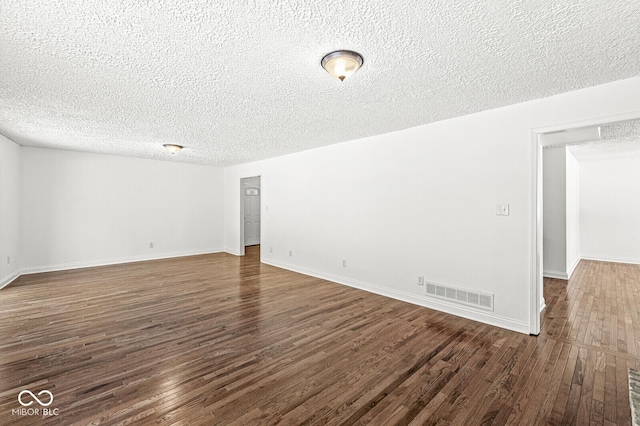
(4, 282)
(480, 316)
(118, 261)
(573, 267)
(558, 275)
(611, 259)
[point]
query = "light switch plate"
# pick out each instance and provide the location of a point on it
(502, 209)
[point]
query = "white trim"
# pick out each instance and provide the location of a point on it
(9, 279)
(556, 275)
(612, 259)
(559, 274)
(536, 223)
(442, 306)
(241, 229)
(543, 304)
(574, 266)
(106, 262)
(595, 121)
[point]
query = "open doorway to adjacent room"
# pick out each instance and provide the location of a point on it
(580, 202)
(250, 212)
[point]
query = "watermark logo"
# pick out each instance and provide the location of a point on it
(26, 398)
(26, 404)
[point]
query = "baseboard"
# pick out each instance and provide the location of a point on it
(612, 259)
(9, 279)
(573, 267)
(115, 261)
(565, 276)
(543, 304)
(443, 306)
(555, 274)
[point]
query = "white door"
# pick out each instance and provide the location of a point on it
(251, 214)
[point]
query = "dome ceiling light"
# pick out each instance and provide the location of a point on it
(172, 148)
(342, 63)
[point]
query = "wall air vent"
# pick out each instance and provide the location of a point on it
(457, 295)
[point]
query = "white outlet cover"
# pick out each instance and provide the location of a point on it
(502, 209)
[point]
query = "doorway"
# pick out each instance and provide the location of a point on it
(250, 211)
(561, 135)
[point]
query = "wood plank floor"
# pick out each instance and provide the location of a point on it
(218, 339)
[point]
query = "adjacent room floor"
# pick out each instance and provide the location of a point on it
(219, 339)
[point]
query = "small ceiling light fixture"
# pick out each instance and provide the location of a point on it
(342, 63)
(172, 148)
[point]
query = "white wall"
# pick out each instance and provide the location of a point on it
(81, 209)
(419, 202)
(9, 210)
(555, 212)
(561, 211)
(610, 213)
(573, 213)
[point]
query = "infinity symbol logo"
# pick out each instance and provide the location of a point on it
(26, 404)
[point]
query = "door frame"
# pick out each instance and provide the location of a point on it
(537, 302)
(241, 251)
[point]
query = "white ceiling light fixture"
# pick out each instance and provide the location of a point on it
(342, 63)
(173, 148)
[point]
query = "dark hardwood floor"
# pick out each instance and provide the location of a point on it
(218, 339)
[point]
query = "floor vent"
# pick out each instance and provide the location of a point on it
(466, 297)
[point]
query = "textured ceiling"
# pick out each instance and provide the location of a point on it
(236, 81)
(620, 140)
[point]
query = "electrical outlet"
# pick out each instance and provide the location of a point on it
(420, 280)
(151, 244)
(8, 260)
(270, 249)
(502, 209)
(344, 263)
(290, 253)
